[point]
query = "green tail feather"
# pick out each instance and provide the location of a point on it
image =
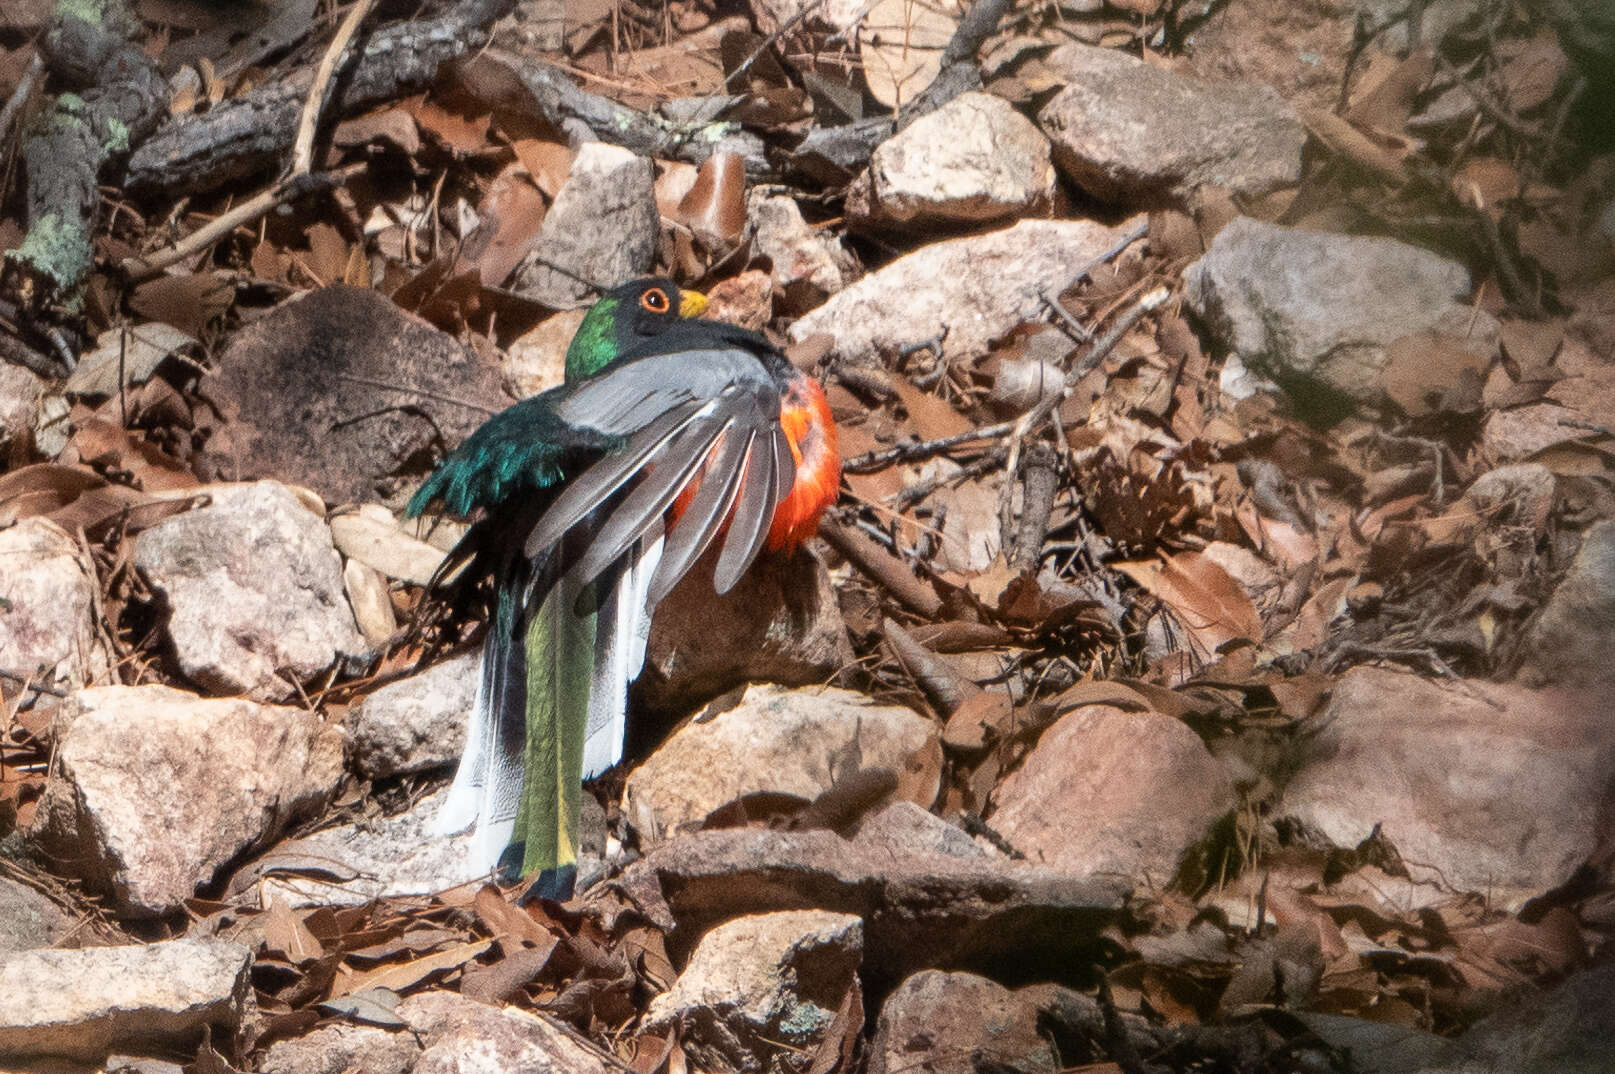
(560, 665)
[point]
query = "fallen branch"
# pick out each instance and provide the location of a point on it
(253, 133)
(885, 569)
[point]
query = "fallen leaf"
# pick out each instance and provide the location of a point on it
(1207, 603)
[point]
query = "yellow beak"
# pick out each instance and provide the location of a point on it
(692, 303)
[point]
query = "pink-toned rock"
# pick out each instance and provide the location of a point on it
(795, 742)
(1486, 787)
(1132, 133)
(977, 288)
(781, 623)
(1111, 791)
(746, 300)
(456, 1035)
(761, 984)
(939, 1023)
(82, 1002)
(155, 789)
(48, 590)
(253, 590)
(1572, 639)
(20, 396)
(807, 265)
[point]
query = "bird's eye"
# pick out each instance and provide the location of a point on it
(655, 299)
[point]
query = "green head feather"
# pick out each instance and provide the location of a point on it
(595, 344)
(625, 317)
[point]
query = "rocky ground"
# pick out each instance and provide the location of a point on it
(1204, 670)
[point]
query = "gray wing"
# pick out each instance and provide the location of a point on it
(715, 412)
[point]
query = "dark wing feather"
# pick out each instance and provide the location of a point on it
(754, 511)
(592, 486)
(701, 520)
(671, 410)
(644, 507)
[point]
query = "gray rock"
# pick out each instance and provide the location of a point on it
(1568, 1029)
(47, 606)
(919, 910)
(21, 394)
(1139, 787)
(972, 161)
(253, 588)
(154, 789)
(789, 741)
(1570, 644)
(416, 723)
(906, 828)
(807, 265)
(949, 1023)
(1318, 312)
(603, 228)
(81, 1003)
(780, 623)
(1130, 133)
(760, 982)
(462, 1036)
(352, 864)
(297, 392)
(1489, 788)
(342, 1049)
(28, 919)
(976, 288)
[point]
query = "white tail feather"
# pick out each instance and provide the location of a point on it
(619, 654)
(486, 790)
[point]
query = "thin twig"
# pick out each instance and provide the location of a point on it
(288, 189)
(438, 396)
(19, 96)
(882, 567)
(924, 449)
(314, 103)
(784, 28)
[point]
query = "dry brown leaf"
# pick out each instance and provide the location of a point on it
(391, 124)
(327, 253)
(461, 134)
(715, 206)
(547, 163)
(190, 303)
(507, 921)
(1431, 372)
(408, 974)
(511, 213)
(931, 417)
(1534, 70)
(1208, 603)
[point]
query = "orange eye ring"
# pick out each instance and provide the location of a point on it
(655, 300)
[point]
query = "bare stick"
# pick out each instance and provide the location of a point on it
(784, 28)
(891, 573)
(19, 96)
(143, 268)
(924, 449)
(314, 103)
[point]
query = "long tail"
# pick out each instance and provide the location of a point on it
(550, 712)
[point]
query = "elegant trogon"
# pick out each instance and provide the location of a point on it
(671, 435)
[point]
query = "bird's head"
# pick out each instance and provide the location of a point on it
(625, 316)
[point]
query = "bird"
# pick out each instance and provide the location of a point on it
(671, 436)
